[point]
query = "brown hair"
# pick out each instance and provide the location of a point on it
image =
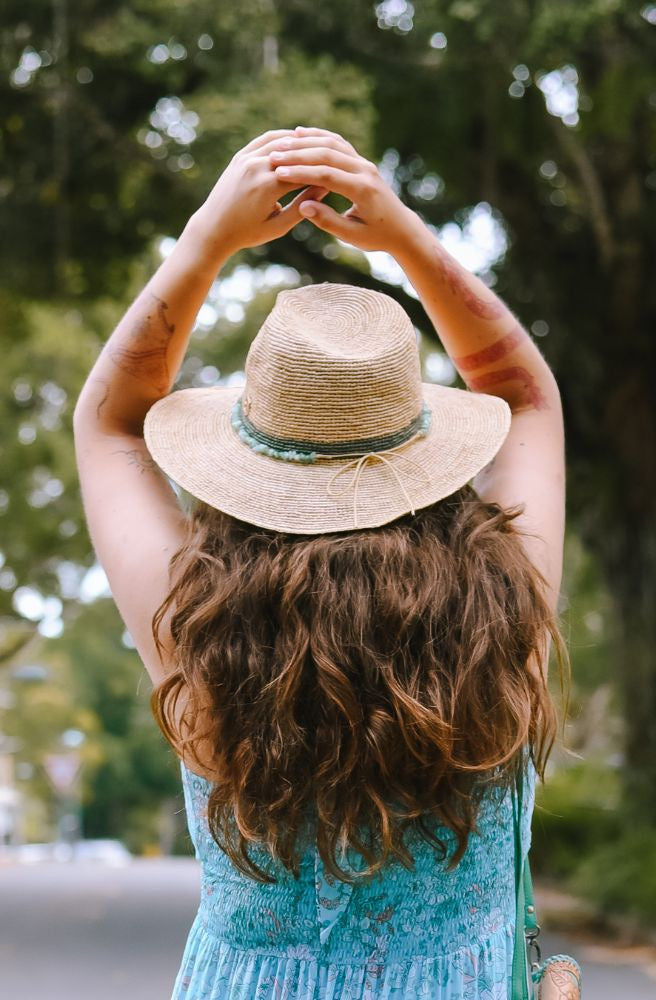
(374, 675)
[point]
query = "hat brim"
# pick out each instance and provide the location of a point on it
(191, 438)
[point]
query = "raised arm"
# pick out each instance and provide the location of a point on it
(495, 354)
(132, 514)
(487, 344)
(141, 359)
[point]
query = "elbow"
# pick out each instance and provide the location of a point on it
(85, 413)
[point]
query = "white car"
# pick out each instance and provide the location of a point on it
(109, 852)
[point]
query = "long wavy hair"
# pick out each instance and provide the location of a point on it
(372, 678)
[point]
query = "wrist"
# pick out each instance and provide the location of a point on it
(412, 237)
(203, 240)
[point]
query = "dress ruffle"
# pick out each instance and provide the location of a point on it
(214, 970)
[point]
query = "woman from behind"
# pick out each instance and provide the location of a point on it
(348, 632)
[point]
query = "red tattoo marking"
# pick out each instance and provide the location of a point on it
(495, 352)
(453, 274)
(527, 393)
(146, 357)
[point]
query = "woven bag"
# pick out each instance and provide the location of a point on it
(554, 978)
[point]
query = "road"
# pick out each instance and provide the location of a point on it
(86, 931)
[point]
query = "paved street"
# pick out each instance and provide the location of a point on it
(93, 932)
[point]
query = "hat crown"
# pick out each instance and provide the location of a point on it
(332, 362)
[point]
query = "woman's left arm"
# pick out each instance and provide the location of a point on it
(133, 516)
(141, 359)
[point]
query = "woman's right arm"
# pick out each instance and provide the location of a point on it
(495, 354)
(488, 346)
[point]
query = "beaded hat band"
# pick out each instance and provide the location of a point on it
(333, 386)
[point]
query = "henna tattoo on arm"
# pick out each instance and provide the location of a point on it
(145, 354)
(139, 458)
(494, 352)
(451, 273)
(527, 392)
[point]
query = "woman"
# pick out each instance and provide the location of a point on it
(348, 635)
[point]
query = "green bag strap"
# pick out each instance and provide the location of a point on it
(526, 917)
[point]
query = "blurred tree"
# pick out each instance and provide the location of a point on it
(116, 118)
(135, 769)
(93, 681)
(98, 119)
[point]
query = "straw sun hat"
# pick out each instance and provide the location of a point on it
(333, 428)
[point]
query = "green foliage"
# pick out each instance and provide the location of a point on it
(45, 356)
(576, 811)
(134, 768)
(587, 621)
(90, 178)
(620, 876)
(305, 89)
(97, 684)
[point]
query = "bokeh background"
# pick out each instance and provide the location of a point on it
(524, 134)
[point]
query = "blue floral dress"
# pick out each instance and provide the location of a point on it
(402, 934)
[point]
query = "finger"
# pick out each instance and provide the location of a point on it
(351, 185)
(261, 140)
(283, 219)
(301, 132)
(279, 185)
(275, 211)
(264, 169)
(312, 130)
(317, 155)
(329, 220)
(303, 142)
(314, 194)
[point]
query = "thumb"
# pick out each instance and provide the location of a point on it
(328, 219)
(285, 218)
(314, 193)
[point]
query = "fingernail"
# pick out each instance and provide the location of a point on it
(282, 171)
(308, 209)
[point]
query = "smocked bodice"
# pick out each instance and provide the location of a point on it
(396, 915)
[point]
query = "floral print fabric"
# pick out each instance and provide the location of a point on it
(404, 933)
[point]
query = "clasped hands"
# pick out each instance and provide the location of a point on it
(243, 209)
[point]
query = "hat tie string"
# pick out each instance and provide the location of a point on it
(359, 464)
